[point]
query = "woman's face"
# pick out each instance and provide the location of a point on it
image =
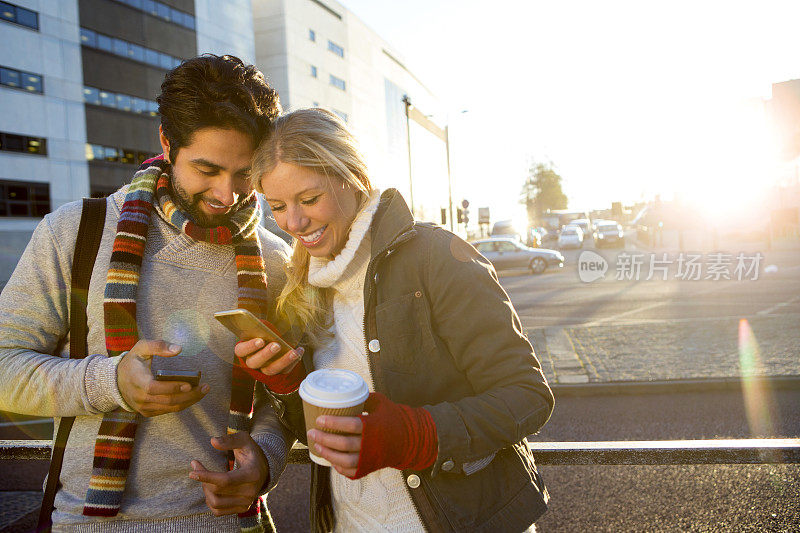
(315, 210)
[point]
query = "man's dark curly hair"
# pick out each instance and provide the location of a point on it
(218, 92)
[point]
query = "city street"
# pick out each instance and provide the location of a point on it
(654, 329)
(610, 331)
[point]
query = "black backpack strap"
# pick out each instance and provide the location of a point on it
(90, 231)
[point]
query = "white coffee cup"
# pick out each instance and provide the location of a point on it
(331, 391)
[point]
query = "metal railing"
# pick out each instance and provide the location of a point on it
(659, 452)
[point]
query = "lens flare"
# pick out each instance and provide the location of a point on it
(758, 401)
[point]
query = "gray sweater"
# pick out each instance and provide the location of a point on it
(183, 282)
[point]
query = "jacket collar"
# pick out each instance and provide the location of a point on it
(392, 220)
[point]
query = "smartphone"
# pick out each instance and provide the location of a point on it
(192, 377)
(246, 326)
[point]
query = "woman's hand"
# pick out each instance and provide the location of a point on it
(341, 450)
(257, 356)
(389, 435)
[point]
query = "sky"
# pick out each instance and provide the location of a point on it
(628, 99)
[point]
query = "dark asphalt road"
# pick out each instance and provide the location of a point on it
(560, 298)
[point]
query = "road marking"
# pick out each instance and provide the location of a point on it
(778, 306)
(25, 423)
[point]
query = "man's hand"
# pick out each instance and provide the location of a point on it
(257, 356)
(234, 491)
(146, 395)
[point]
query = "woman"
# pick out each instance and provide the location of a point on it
(419, 314)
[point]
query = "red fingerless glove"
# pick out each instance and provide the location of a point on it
(395, 435)
(279, 383)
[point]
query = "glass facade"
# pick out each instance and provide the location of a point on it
(162, 11)
(113, 154)
(121, 48)
(19, 15)
(335, 48)
(337, 82)
(124, 102)
(11, 142)
(24, 199)
(18, 79)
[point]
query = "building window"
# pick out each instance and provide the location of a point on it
(121, 48)
(124, 102)
(24, 199)
(162, 11)
(337, 82)
(313, 71)
(21, 80)
(10, 142)
(312, 36)
(112, 154)
(335, 48)
(339, 114)
(19, 15)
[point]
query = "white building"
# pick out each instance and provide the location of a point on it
(318, 54)
(78, 83)
(42, 122)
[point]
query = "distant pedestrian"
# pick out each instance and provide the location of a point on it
(420, 315)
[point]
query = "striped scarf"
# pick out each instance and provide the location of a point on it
(115, 439)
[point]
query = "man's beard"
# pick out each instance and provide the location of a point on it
(190, 204)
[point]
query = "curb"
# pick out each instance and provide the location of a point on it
(677, 386)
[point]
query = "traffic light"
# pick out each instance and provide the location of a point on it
(444, 216)
(460, 217)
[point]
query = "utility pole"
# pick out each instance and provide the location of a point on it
(449, 180)
(407, 103)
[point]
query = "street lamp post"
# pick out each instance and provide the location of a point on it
(449, 179)
(407, 102)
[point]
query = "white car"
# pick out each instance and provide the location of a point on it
(570, 237)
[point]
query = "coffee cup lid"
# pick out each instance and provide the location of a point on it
(334, 388)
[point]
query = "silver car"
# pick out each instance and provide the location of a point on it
(509, 253)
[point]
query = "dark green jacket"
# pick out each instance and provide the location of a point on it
(449, 339)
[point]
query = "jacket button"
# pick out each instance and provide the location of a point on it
(413, 481)
(418, 294)
(448, 465)
(374, 346)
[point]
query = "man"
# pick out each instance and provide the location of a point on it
(180, 242)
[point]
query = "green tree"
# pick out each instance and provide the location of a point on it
(542, 191)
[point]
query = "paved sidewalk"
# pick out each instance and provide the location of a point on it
(674, 350)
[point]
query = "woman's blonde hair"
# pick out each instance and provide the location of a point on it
(317, 140)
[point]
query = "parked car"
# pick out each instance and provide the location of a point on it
(506, 253)
(609, 233)
(571, 237)
(549, 237)
(584, 224)
(505, 229)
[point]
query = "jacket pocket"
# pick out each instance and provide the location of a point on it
(503, 496)
(404, 331)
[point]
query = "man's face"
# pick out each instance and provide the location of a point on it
(210, 176)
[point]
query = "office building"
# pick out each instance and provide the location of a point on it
(318, 54)
(78, 82)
